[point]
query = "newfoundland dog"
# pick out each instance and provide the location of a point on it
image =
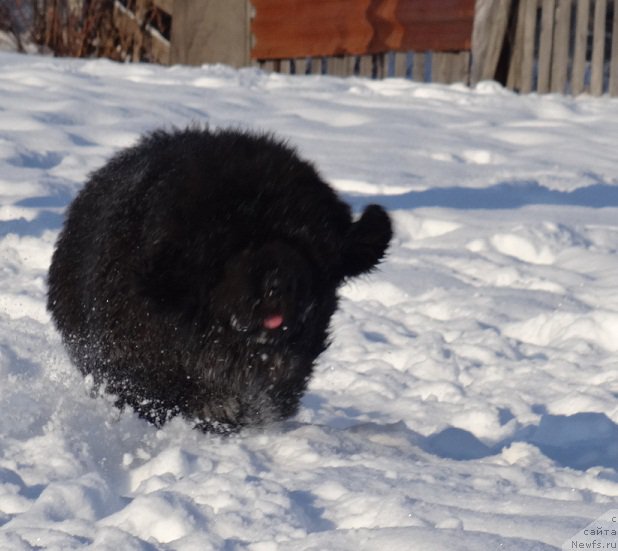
(197, 271)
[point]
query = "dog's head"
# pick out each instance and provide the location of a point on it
(280, 292)
(266, 293)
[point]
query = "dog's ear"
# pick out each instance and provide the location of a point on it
(366, 241)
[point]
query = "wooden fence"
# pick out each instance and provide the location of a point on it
(564, 46)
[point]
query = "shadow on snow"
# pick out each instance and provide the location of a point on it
(505, 195)
(48, 215)
(579, 441)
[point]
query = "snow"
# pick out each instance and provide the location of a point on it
(469, 399)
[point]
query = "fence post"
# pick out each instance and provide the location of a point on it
(561, 47)
(546, 44)
(515, 72)
(490, 26)
(419, 60)
(598, 47)
(613, 60)
(529, 34)
(581, 43)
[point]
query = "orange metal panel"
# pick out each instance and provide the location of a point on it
(436, 25)
(313, 28)
(299, 28)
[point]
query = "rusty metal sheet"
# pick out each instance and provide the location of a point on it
(300, 28)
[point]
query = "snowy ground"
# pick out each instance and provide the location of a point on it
(470, 398)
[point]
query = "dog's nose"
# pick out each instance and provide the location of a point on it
(273, 285)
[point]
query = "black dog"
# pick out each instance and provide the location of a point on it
(197, 272)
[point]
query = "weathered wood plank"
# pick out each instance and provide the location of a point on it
(490, 27)
(300, 66)
(560, 61)
(348, 65)
(365, 67)
(268, 66)
(313, 66)
(380, 65)
(613, 71)
(461, 68)
(401, 65)
(450, 67)
(527, 64)
(439, 68)
(341, 66)
(598, 48)
(581, 43)
(418, 66)
(517, 55)
(286, 67)
(545, 46)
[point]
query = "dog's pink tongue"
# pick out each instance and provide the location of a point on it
(273, 322)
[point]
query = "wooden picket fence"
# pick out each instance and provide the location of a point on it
(565, 46)
(423, 66)
(560, 46)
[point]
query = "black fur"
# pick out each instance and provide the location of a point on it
(197, 272)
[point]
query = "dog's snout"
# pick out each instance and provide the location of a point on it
(273, 285)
